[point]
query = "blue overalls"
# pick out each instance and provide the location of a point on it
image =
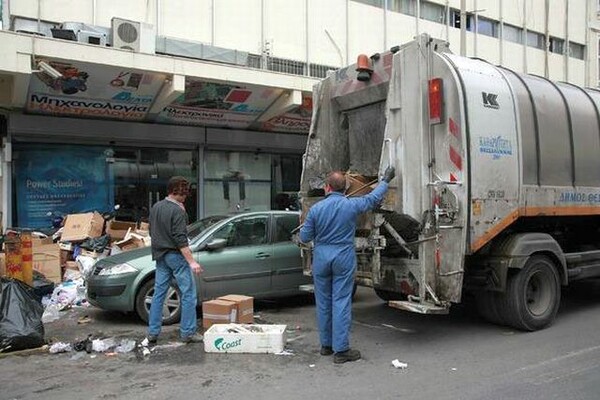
(331, 224)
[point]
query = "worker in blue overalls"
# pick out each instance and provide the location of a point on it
(330, 224)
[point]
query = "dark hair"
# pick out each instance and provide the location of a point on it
(178, 185)
(337, 181)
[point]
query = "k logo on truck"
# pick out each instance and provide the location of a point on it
(490, 100)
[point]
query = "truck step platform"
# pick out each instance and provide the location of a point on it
(421, 308)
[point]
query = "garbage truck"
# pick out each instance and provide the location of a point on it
(497, 190)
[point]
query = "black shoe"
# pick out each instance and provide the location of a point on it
(326, 350)
(345, 356)
(152, 339)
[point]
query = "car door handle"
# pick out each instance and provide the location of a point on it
(263, 255)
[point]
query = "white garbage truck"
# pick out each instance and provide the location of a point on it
(497, 188)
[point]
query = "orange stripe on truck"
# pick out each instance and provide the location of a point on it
(491, 233)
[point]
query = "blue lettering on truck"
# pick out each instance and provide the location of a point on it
(574, 197)
(496, 146)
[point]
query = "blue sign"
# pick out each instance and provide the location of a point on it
(60, 179)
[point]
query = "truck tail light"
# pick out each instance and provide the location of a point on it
(436, 98)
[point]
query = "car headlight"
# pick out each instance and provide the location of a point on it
(117, 269)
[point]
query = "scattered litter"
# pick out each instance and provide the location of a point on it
(112, 354)
(453, 369)
(60, 347)
(311, 365)
(84, 320)
(50, 314)
(103, 345)
(84, 345)
(126, 346)
(399, 364)
(285, 353)
(145, 342)
(93, 356)
(146, 351)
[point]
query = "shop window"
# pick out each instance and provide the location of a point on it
(433, 12)
(512, 33)
(536, 40)
(577, 50)
(408, 7)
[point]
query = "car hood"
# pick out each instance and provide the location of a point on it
(137, 258)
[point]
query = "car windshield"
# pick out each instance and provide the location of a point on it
(197, 228)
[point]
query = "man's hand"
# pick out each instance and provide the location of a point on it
(389, 174)
(197, 268)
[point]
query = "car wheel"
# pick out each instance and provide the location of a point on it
(171, 306)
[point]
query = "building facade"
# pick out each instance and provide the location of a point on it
(103, 100)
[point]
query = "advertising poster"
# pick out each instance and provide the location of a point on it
(295, 121)
(60, 180)
(218, 104)
(86, 90)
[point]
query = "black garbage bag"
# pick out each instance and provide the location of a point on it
(21, 324)
(41, 285)
(97, 244)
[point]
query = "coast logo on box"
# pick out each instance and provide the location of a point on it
(222, 345)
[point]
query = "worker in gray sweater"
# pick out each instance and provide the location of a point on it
(170, 250)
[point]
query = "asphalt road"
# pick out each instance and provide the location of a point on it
(449, 357)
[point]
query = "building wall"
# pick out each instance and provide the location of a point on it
(334, 32)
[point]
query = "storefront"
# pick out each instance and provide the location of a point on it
(66, 165)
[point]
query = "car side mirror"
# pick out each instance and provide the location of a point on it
(214, 244)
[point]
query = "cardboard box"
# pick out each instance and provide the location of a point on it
(72, 265)
(244, 307)
(40, 241)
(79, 227)
(218, 312)
(46, 260)
(239, 338)
(2, 264)
(118, 229)
(130, 244)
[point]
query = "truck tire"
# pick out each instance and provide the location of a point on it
(172, 306)
(488, 307)
(532, 295)
(387, 295)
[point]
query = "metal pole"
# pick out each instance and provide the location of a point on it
(567, 49)
(525, 36)
(547, 39)
(501, 41)
(463, 28)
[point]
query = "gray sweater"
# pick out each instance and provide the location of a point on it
(168, 228)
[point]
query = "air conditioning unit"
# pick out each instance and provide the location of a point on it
(133, 35)
(91, 38)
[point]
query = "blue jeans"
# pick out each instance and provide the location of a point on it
(174, 265)
(333, 276)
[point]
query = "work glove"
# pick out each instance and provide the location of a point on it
(389, 174)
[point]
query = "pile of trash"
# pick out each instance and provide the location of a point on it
(109, 346)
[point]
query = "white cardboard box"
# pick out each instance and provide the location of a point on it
(240, 338)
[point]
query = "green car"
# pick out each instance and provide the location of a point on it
(250, 254)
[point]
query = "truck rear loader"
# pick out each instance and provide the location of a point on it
(497, 188)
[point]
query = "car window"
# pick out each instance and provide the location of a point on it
(284, 224)
(247, 231)
(195, 229)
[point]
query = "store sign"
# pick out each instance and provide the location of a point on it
(60, 180)
(88, 90)
(218, 104)
(295, 121)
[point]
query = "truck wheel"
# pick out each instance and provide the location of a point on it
(487, 306)
(171, 307)
(387, 295)
(532, 295)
